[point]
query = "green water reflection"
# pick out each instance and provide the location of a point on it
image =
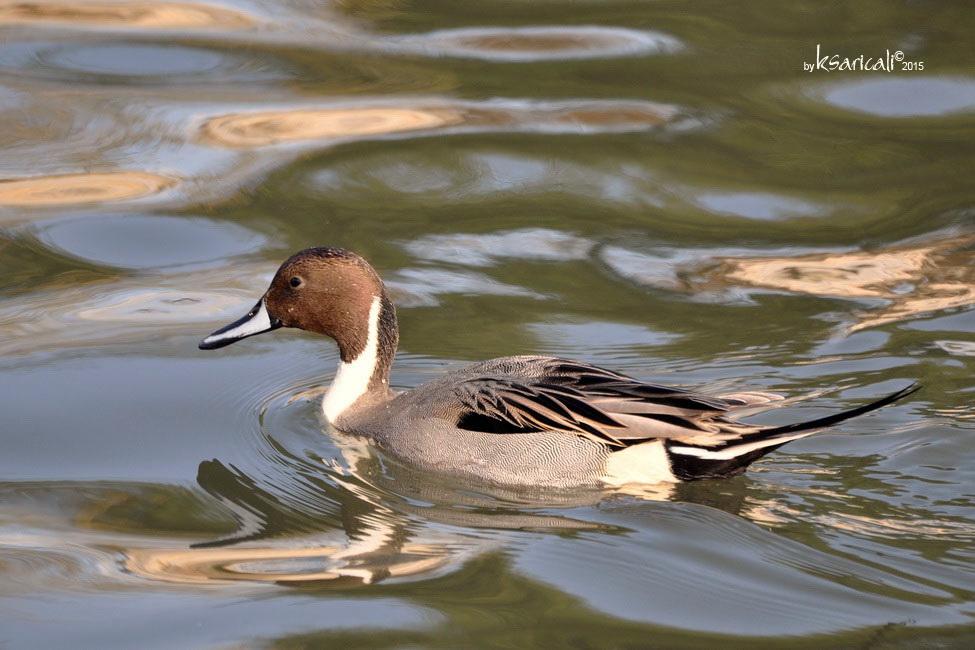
(658, 188)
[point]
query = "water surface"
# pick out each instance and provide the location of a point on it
(659, 188)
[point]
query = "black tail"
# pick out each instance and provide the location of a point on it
(731, 457)
(836, 418)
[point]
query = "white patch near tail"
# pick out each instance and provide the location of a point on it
(737, 450)
(352, 378)
(646, 462)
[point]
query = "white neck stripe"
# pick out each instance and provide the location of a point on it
(352, 379)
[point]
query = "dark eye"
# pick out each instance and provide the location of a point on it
(296, 282)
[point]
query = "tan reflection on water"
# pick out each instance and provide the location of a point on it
(238, 130)
(273, 127)
(887, 526)
(915, 278)
(778, 512)
(67, 189)
(146, 15)
(538, 41)
(853, 275)
(613, 117)
(227, 565)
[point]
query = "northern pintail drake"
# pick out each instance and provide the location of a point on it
(522, 420)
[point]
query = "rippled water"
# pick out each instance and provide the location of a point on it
(659, 188)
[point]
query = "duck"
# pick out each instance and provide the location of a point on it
(523, 420)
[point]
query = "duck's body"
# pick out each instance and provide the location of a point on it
(524, 420)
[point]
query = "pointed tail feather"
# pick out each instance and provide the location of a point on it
(836, 418)
(695, 462)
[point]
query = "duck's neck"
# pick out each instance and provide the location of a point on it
(364, 366)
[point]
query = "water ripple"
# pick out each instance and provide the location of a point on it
(157, 242)
(347, 120)
(127, 14)
(73, 189)
(916, 277)
(904, 97)
(537, 244)
(210, 151)
(420, 287)
(727, 575)
(138, 308)
(283, 565)
(129, 63)
(543, 43)
(274, 127)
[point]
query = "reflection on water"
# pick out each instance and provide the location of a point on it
(138, 308)
(272, 127)
(69, 189)
(914, 278)
(541, 43)
(130, 63)
(344, 517)
(549, 177)
(353, 520)
(918, 277)
(905, 97)
(921, 276)
(286, 126)
(487, 249)
(150, 241)
(285, 565)
(125, 13)
(756, 205)
(220, 163)
(420, 287)
(136, 60)
(959, 348)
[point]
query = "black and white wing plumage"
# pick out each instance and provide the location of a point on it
(550, 394)
(542, 394)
